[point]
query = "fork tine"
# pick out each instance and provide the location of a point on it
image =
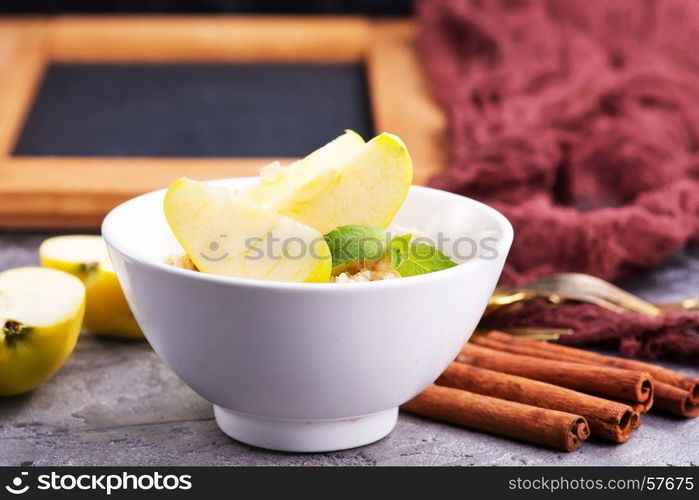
(569, 284)
(615, 294)
(599, 301)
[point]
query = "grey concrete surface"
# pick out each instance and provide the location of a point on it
(115, 403)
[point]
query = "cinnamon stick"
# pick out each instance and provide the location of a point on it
(530, 349)
(607, 419)
(675, 400)
(659, 373)
(615, 383)
(641, 407)
(673, 392)
(523, 349)
(553, 428)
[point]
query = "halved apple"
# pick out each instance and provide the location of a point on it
(41, 311)
(223, 233)
(343, 183)
(86, 257)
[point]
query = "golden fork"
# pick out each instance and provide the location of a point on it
(575, 286)
(580, 287)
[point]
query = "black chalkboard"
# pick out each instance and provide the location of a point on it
(194, 110)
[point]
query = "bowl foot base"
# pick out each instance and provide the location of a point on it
(306, 435)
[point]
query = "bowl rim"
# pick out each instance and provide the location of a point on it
(503, 246)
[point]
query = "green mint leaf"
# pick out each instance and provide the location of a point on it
(400, 248)
(356, 243)
(413, 258)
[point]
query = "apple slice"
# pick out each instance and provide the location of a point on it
(223, 233)
(365, 185)
(41, 312)
(86, 257)
(276, 181)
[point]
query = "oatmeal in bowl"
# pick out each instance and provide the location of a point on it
(369, 270)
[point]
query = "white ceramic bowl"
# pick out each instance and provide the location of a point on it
(307, 367)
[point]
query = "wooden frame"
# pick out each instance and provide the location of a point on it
(76, 192)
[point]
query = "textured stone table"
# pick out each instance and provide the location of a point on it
(115, 403)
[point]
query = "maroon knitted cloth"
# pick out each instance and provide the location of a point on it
(673, 335)
(578, 119)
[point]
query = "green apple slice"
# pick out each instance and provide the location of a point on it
(223, 233)
(41, 312)
(363, 185)
(86, 257)
(276, 181)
